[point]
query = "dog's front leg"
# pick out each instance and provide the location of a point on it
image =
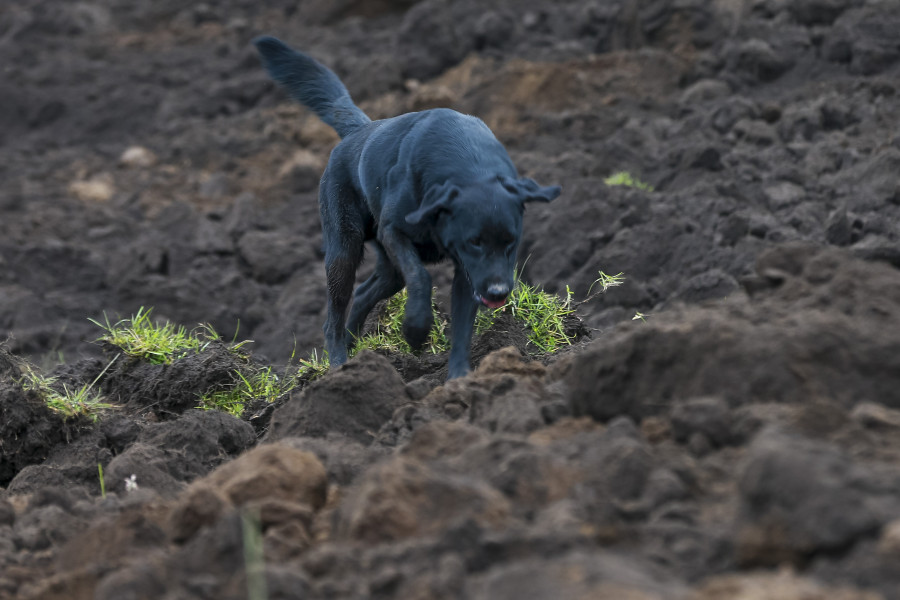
(384, 282)
(463, 309)
(419, 319)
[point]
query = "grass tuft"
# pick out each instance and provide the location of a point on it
(85, 401)
(160, 343)
(258, 384)
(543, 313)
(139, 337)
(388, 334)
(625, 178)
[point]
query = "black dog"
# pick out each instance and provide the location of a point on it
(422, 186)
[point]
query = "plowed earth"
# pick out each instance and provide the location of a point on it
(742, 442)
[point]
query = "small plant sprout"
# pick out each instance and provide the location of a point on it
(84, 401)
(131, 483)
(102, 482)
(607, 281)
(254, 559)
(639, 315)
(313, 367)
(626, 179)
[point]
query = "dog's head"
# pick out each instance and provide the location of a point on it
(480, 225)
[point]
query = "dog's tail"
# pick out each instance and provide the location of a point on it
(312, 84)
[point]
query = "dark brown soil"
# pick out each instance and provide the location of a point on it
(741, 442)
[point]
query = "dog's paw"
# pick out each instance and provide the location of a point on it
(415, 337)
(459, 368)
(415, 332)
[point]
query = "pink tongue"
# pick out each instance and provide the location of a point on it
(493, 303)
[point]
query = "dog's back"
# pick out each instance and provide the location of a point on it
(436, 145)
(455, 140)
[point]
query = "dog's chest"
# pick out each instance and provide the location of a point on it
(430, 252)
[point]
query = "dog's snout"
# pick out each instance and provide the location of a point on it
(498, 291)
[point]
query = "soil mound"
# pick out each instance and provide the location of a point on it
(805, 333)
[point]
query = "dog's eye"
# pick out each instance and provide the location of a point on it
(476, 242)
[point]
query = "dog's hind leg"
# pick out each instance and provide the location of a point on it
(463, 309)
(384, 282)
(343, 234)
(340, 271)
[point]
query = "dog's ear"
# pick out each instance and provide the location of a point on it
(528, 190)
(437, 198)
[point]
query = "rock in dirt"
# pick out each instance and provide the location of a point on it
(137, 157)
(97, 189)
(355, 400)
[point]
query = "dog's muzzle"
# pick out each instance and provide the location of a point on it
(495, 297)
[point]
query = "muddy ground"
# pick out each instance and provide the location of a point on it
(741, 442)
